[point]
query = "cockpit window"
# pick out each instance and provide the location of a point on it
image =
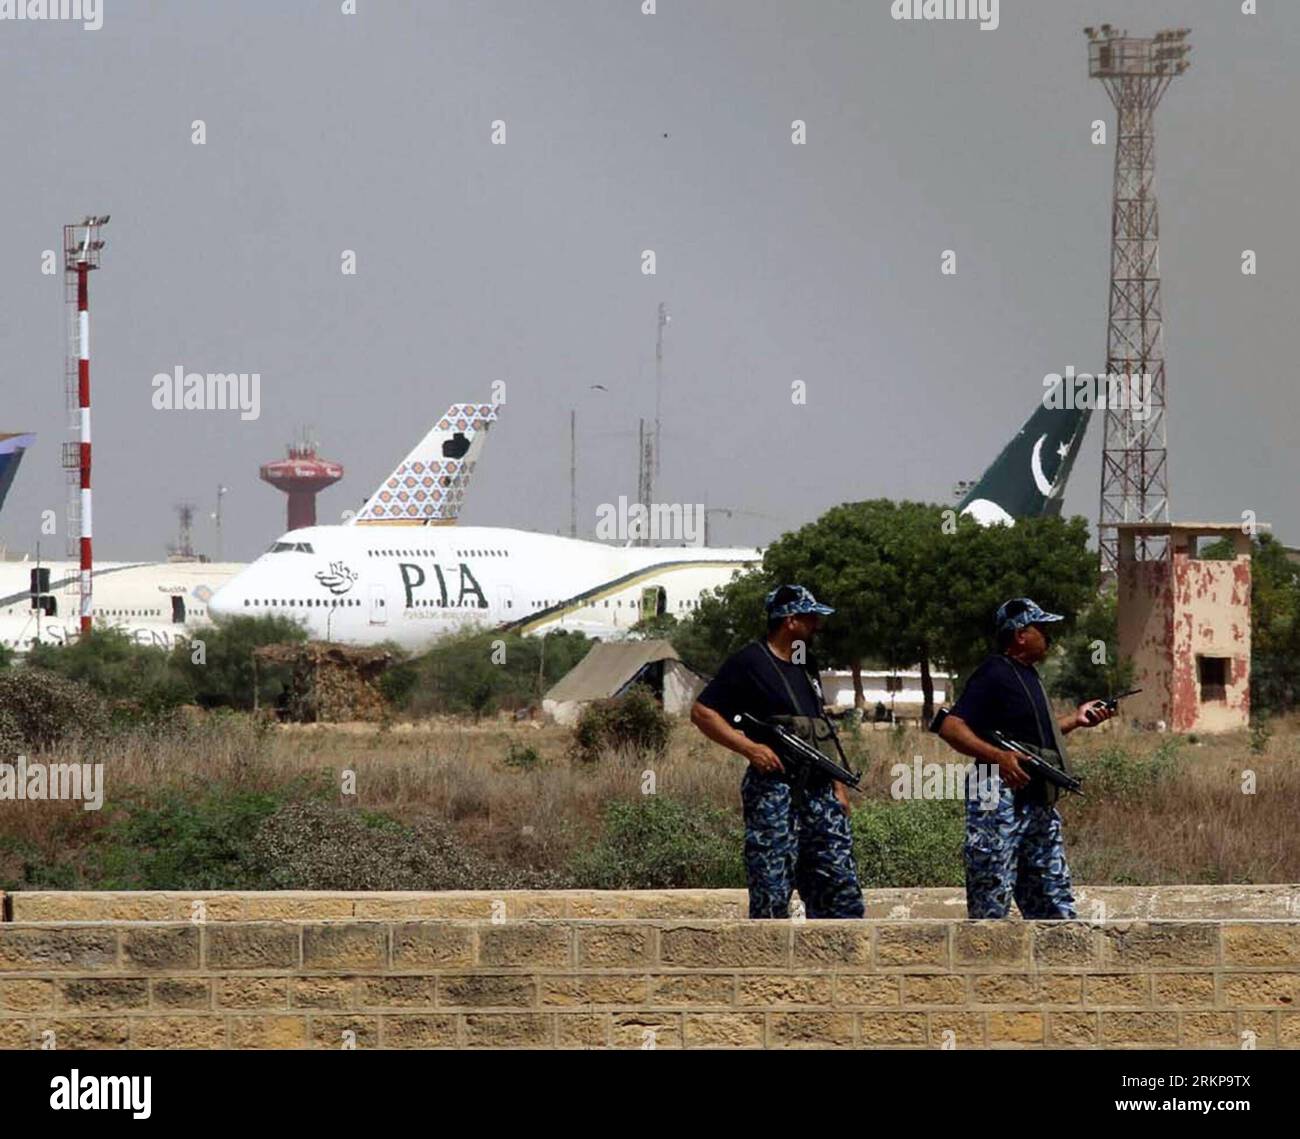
(290, 547)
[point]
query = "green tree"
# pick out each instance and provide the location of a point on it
(978, 567)
(218, 664)
(726, 618)
(855, 558)
(481, 672)
(1088, 664)
(910, 582)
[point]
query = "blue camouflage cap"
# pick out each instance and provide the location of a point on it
(793, 600)
(1020, 612)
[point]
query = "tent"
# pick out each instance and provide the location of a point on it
(612, 667)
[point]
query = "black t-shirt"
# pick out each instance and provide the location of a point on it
(995, 700)
(748, 681)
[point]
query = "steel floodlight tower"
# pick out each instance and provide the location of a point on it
(1134, 467)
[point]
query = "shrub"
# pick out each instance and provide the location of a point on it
(661, 843)
(42, 708)
(108, 661)
(175, 841)
(523, 756)
(11, 734)
(915, 842)
(316, 845)
(634, 726)
(398, 682)
(1114, 773)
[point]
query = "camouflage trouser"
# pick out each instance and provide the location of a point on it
(810, 849)
(1015, 849)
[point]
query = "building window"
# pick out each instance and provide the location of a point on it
(1214, 673)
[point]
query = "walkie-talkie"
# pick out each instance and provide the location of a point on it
(1112, 705)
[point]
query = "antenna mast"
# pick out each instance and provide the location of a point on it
(1134, 465)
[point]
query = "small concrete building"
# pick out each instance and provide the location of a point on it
(899, 692)
(1184, 620)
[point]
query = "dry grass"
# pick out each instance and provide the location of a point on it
(1165, 810)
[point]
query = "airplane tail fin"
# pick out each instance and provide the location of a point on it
(1028, 477)
(13, 447)
(428, 486)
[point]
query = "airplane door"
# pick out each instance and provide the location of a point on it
(378, 605)
(506, 599)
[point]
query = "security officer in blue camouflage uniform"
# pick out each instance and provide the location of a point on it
(789, 843)
(1015, 848)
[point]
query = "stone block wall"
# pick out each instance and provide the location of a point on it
(576, 970)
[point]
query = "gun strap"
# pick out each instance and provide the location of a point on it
(1058, 741)
(817, 700)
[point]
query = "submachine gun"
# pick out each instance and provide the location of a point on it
(1033, 761)
(1032, 758)
(1037, 761)
(798, 756)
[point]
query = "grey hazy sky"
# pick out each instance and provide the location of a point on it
(521, 262)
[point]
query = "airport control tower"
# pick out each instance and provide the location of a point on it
(302, 476)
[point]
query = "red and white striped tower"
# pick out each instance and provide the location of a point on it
(81, 248)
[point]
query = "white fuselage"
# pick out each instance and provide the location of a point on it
(155, 603)
(366, 584)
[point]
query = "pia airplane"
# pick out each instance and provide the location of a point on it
(154, 603)
(402, 571)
